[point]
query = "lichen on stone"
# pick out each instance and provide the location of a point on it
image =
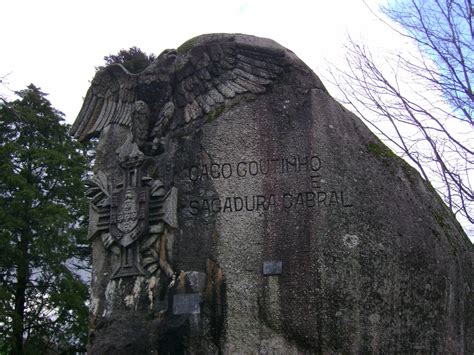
(380, 150)
(211, 116)
(186, 46)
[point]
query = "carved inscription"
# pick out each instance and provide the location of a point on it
(245, 169)
(297, 200)
(306, 167)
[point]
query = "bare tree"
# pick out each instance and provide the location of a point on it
(420, 101)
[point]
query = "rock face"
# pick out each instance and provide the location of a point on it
(237, 207)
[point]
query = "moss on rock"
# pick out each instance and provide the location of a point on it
(380, 150)
(211, 116)
(186, 46)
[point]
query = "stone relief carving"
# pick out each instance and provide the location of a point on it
(177, 89)
(296, 223)
(135, 214)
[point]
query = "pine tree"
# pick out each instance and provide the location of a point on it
(42, 238)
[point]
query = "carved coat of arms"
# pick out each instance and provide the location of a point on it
(132, 213)
(129, 214)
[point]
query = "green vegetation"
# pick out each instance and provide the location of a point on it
(440, 220)
(211, 116)
(186, 46)
(133, 59)
(43, 245)
(380, 150)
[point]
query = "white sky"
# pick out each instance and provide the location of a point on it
(57, 44)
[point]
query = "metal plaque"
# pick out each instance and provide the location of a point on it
(272, 268)
(187, 303)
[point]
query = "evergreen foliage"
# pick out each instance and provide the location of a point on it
(133, 59)
(42, 245)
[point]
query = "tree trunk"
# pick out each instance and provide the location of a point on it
(20, 296)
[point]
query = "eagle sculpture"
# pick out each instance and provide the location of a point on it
(182, 89)
(202, 77)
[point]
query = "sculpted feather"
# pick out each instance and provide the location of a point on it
(178, 88)
(112, 92)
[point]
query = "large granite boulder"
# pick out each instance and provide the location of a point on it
(238, 208)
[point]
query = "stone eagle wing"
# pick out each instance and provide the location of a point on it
(110, 99)
(212, 75)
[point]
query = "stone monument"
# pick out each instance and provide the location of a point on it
(237, 208)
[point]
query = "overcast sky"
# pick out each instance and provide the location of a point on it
(57, 44)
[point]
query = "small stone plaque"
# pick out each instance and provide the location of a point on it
(272, 268)
(187, 303)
